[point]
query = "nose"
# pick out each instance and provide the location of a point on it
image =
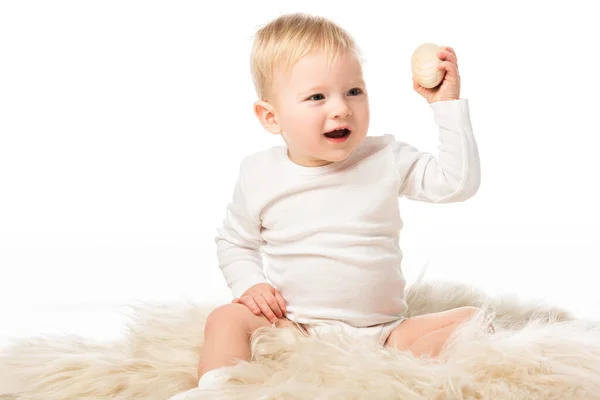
(339, 109)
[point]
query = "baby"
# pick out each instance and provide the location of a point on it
(323, 209)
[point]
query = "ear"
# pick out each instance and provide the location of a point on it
(265, 112)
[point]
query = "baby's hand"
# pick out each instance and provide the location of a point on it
(449, 89)
(263, 298)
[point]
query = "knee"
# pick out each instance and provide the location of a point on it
(469, 312)
(465, 313)
(226, 315)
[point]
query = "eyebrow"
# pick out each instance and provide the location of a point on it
(318, 88)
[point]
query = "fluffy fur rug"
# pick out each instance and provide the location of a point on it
(537, 352)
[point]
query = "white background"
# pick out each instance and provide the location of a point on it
(122, 125)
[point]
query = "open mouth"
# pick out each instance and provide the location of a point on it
(338, 134)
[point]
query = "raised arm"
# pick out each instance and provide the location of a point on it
(452, 176)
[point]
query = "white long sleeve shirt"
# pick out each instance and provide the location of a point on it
(330, 234)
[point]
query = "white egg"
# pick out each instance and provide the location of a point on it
(424, 63)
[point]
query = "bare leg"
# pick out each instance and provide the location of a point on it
(226, 340)
(227, 336)
(431, 344)
(428, 333)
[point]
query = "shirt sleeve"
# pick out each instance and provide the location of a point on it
(238, 243)
(452, 176)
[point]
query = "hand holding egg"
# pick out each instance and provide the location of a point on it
(435, 72)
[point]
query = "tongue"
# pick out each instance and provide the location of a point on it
(336, 134)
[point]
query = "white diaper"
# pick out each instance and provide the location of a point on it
(377, 333)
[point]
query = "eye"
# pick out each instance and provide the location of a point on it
(316, 97)
(355, 92)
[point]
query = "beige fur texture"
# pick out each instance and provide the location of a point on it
(537, 352)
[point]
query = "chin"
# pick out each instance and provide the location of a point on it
(339, 155)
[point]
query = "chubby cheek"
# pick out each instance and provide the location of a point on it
(306, 125)
(362, 119)
(297, 121)
(366, 116)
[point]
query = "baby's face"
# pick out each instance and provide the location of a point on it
(317, 97)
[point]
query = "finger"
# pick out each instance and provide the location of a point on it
(450, 68)
(272, 302)
(236, 300)
(447, 56)
(281, 302)
(420, 89)
(251, 304)
(266, 310)
(451, 50)
(416, 85)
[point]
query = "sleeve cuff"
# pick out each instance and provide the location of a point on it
(451, 114)
(239, 287)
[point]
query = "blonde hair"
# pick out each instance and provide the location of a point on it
(285, 40)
